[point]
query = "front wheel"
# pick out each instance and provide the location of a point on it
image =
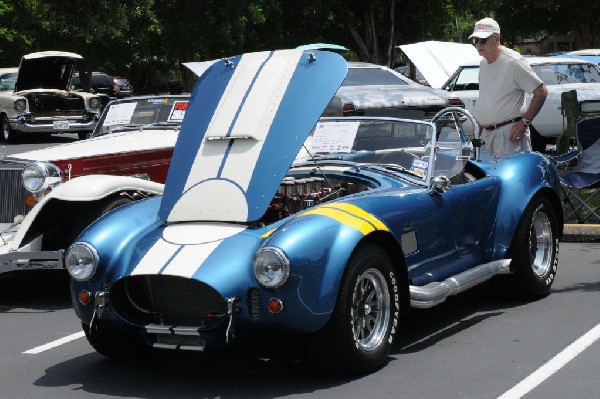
(360, 334)
(113, 343)
(534, 252)
(7, 134)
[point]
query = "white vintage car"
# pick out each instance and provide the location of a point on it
(126, 159)
(559, 74)
(41, 101)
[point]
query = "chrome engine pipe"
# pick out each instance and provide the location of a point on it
(436, 292)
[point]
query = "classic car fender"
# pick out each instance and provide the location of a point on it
(522, 176)
(90, 189)
(319, 243)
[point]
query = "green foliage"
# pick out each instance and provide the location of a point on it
(147, 40)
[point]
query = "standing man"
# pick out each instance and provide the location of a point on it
(504, 78)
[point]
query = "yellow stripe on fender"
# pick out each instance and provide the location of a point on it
(356, 211)
(350, 215)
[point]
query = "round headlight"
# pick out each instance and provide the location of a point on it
(94, 102)
(20, 104)
(271, 267)
(81, 261)
(38, 176)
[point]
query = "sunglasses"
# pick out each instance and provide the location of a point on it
(483, 42)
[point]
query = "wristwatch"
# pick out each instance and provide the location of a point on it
(526, 121)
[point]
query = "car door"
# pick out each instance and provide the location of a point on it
(464, 84)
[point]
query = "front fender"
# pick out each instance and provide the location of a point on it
(319, 244)
(85, 189)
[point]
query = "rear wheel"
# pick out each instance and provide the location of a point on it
(83, 135)
(534, 252)
(363, 326)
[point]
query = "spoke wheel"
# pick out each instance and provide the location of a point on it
(534, 253)
(359, 336)
(370, 309)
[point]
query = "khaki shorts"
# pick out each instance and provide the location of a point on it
(497, 141)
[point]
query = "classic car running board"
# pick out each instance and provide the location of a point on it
(436, 292)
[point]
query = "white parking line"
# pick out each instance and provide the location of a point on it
(553, 365)
(54, 344)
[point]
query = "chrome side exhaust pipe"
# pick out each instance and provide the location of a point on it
(436, 292)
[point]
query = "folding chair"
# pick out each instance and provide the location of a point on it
(580, 183)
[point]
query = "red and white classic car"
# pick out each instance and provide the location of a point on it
(126, 158)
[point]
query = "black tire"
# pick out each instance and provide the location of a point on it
(114, 204)
(83, 135)
(534, 253)
(7, 134)
(113, 343)
(359, 336)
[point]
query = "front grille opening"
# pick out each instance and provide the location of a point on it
(167, 300)
(13, 194)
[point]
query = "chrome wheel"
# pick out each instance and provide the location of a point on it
(541, 244)
(370, 312)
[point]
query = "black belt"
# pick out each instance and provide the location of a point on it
(498, 125)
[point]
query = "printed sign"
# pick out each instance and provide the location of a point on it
(330, 137)
(119, 114)
(178, 111)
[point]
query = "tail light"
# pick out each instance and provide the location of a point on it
(455, 102)
(349, 109)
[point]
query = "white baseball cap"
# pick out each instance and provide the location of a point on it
(485, 28)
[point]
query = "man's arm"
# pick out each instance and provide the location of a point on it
(539, 96)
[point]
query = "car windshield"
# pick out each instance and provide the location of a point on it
(8, 80)
(556, 74)
(142, 112)
(400, 145)
(371, 76)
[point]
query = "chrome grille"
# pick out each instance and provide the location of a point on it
(12, 194)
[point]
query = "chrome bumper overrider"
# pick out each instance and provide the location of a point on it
(436, 292)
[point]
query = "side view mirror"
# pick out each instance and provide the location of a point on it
(439, 185)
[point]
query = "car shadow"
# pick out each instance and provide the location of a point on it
(39, 290)
(187, 375)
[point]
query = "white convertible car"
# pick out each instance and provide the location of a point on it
(457, 66)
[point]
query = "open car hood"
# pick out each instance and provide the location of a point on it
(247, 119)
(437, 61)
(46, 70)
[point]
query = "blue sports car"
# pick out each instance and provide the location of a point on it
(276, 223)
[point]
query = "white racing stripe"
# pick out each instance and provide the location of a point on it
(54, 344)
(553, 365)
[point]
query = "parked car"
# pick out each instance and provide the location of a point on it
(8, 78)
(375, 90)
(40, 216)
(123, 88)
(101, 83)
(374, 216)
(559, 75)
(41, 101)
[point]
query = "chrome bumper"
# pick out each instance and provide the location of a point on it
(45, 124)
(34, 260)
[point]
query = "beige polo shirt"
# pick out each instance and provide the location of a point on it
(502, 87)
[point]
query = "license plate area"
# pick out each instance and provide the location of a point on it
(60, 125)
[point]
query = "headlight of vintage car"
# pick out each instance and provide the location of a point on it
(81, 261)
(94, 102)
(38, 176)
(20, 104)
(271, 267)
